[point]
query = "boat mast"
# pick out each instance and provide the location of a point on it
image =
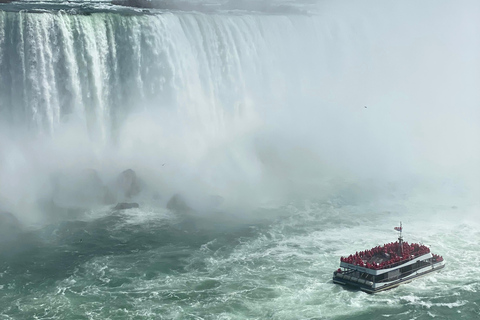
(400, 238)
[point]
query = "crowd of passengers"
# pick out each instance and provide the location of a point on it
(391, 250)
(436, 257)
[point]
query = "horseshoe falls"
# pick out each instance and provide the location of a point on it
(214, 160)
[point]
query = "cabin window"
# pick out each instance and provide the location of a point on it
(407, 269)
(392, 275)
(381, 277)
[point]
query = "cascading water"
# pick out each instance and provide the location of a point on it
(205, 79)
(285, 134)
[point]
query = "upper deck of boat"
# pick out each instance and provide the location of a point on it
(381, 257)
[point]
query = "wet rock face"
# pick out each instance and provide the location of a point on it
(85, 189)
(127, 184)
(9, 225)
(126, 205)
(178, 204)
(79, 189)
(215, 200)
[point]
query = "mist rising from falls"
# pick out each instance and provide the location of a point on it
(108, 92)
(248, 107)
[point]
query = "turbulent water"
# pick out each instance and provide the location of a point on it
(293, 137)
(149, 264)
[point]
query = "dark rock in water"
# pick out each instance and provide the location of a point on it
(126, 205)
(109, 197)
(79, 189)
(128, 185)
(177, 203)
(8, 220)
(215, 200)
(156, 196)
(54, 212)
(9, 225)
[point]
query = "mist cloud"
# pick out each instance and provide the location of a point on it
(259, 108)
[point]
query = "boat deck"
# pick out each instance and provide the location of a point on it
(386, 256)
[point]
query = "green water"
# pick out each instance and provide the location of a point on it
(153, 264)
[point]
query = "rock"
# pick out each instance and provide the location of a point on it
(126, 205)
(53, 211)
(109, 197)
(9, 225)
(215, 200)
(156, 196)
(177, 203)
(127, 184)
(79, 189)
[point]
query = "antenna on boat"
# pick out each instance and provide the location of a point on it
(400, 238)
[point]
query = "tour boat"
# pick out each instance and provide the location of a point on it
(388, 266)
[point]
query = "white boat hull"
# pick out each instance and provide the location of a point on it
(371, 287)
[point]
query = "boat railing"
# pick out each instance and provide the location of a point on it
(410, 269)
(363, 277)
(396, 253)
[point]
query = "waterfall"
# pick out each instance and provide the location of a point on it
(266, 101)
(194, 90)
(101, 67)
